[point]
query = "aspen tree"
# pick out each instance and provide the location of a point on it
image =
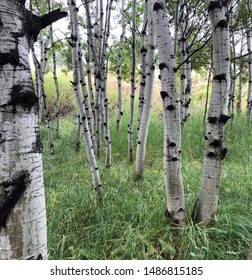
(172, 129)
(119, 67)
(143, 53)
(133, 83)
(249, 98)
(55, 78)
(215, 151)
(148, 91)
(73, 10)
(22, 200)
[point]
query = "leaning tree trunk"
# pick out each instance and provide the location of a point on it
(215, 151)
(77, 90)
(172, 130)
(22, 199)
(147, 101)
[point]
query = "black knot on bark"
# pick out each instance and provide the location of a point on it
(162, 65)
(170, 107)
(172, 144)
(215, 143)
(224, 118)
(157, 6)
(23, 98)
(164, 94)
(220, 77)
(174, 159)
(212, 120)
(223, 152)
(214, 5)
(211, 154)
(223, 23)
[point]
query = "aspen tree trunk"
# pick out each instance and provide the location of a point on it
(22, 199)
(148, 91)
(73, 10)
(133, 81)
(215, 151)
(177, 6)
(119, 68)
(55, 78)
(143, 52)
(249, 99)
(172, 128)
(40, 68)
(239, 97)
(183, 77)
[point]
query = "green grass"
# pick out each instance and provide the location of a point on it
(130, 223)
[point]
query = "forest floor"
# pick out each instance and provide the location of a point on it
(130, 223)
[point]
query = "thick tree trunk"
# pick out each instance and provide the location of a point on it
(148, 90)
(172, 129)
(215, 151)
(22, 199)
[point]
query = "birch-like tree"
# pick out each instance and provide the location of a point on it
(133, 84)
(215, 151)
(147, 97)
(73, 10)
(22, 200)
(119, 66)
(172, 130)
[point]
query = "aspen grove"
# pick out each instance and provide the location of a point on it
(152, 50)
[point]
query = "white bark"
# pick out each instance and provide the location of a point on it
(133, 84)
(23, 229)
(249, 98)
(172, 131)
(119, 67)
(82, 112)
(143, 65)
(214, 140)
(145, 117)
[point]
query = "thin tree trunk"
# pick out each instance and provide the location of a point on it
(145, 118)
(215, 151)
(82, 112)
(143, 52)
(119, 68)
(172, 128)
(249, 98)
(22, 200)
(55, 78)
(133, 84)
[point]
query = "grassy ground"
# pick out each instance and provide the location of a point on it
(130, 223)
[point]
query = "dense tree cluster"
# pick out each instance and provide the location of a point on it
(172, 38)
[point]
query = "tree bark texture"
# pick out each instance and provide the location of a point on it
(22, 200)
(119, 68)
(215, 151)
(73, 10)
(172, 128)
(147, 101)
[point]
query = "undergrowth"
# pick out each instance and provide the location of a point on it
(130, 222)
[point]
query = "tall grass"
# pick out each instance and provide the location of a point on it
(130, 223)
